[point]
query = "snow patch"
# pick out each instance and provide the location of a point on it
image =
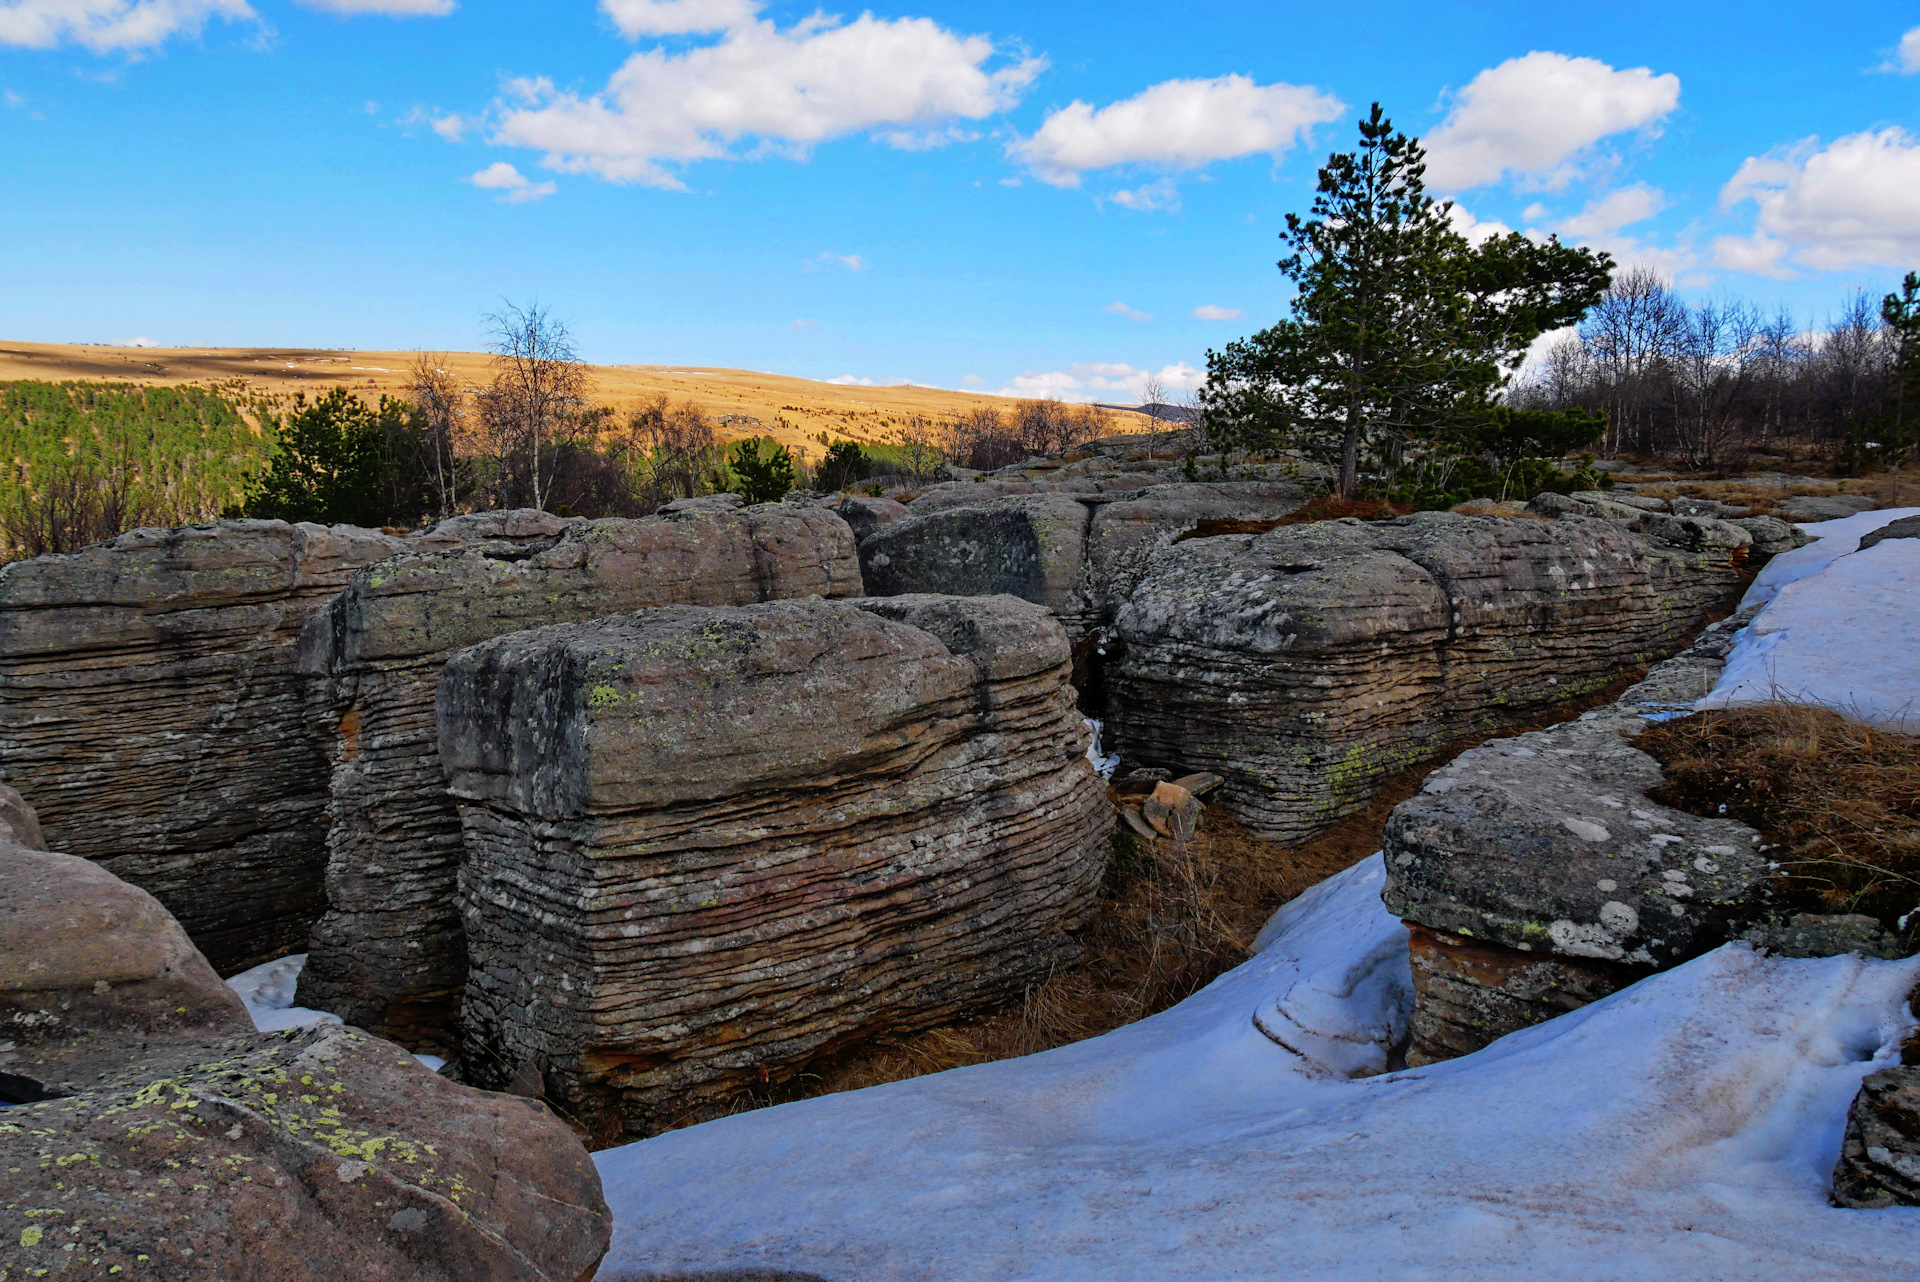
(267, 993)
(1831, 539)
(1104, 764)
(1684, 1128)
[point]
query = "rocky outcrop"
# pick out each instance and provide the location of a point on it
(1304, 664)
(1907, 527)
(865, 515)
(388, 954)
(150, 712)
(151, 1128)
(1538, 875)
(302, 1156)
(704, 846)
(1077, 551)
(1880, 1156)
(1825, 507)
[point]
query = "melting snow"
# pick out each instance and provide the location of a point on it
(1831, 539)
(1684, 1128)
(267, 992)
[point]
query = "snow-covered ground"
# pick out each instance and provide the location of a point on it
(267, 993)
(1684, 1128)
(1840, 627)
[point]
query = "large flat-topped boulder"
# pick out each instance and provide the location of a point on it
(388, 955)
(1304, 664)
(1077, 551)
(150, 712)
(704, 846)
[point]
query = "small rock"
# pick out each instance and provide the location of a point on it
(1907, 527)
(1811, 508)
(1880, 1156)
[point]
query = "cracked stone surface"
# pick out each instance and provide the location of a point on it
(1305, 664)
(389, 955)
(704, 846)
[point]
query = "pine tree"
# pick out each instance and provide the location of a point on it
(1402, 333)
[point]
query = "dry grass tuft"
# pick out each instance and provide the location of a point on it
(1838, 801)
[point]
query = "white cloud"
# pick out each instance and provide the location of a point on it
(852, 262)
(514, 187)
(789, 90)
(1906, 59)
(384, 8)
(106, 26)
(803, 324)
(1214, 312)
(1532, 116)
(1179, 124)
(1611, 212)
(1118, 308)
(637, 18)
(852, 380)
(971, 380)
(139, 342)
(1602, 222)
(1473, 228)
(1102, 381)
(14, 101)
(1149, 198)
(1854, 202)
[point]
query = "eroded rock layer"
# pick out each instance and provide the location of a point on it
(1306, 663)
(150, 712)
(388, 954)
(704, 846)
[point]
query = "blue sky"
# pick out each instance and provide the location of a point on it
(1036, 198)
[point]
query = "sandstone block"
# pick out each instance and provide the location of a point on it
(1907, 527)
(304, 1156)
(865, 515)
(1880, 1156)
(1467, 994)
(1825, 507)
(1304, 664)
(704, 846)
(388, 954)
(150, 712)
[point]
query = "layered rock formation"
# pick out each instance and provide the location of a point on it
(704, 846)
(1537, 875)
(388, 955)
(1304, 664)
(150, 712)
(1880, 1156)
(1077, 550)
(153, 1131)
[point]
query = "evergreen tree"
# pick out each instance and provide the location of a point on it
(844, 464)
(1402, 333)
(761, 478)
(330, 463)
(1901, 312)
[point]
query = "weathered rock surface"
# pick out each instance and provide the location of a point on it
(1306, 663)
(1543, 876)
(865, 515)
(704, 846)
(153, 1131)
(90, 965)
(150, 712)
(1880, 1156)
(1075, 549)
(304, 1156)
(388, 955)
(1907, 527)
(1825, 507)
(1772, 536)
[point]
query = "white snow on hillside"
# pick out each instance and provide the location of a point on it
(1840, 627)
(1682, 1129)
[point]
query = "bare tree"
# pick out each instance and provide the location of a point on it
(539, 389)
(678, 456)
(441, 408)
(1153, 397)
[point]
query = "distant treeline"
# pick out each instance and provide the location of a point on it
(1708, 383)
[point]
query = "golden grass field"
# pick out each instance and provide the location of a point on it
(793, 411)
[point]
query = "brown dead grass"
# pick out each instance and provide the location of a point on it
(1170, 921)
(1838, 801)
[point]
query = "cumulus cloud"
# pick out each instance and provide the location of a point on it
(636, 18)
(1602, 222)
(515, 188)
(1117, 308)
(1475, 230)
(1102, 381)
(1150, 197)
(1906, 59)
(852, 380)
(788, 90)
(1214, 312)
(384, 8)
(1177, 124)
(1854, 202)
(109, 26)
(1534, 115)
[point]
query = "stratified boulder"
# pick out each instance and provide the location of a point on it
(1130, 528)
(704, 846)
(388, 955)
(305, 1156)
(152, 1131)
(1880, 1157)
(1825, 507)
(1907, 527)
(150, 712)
(865, 515)
(1304, 664)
